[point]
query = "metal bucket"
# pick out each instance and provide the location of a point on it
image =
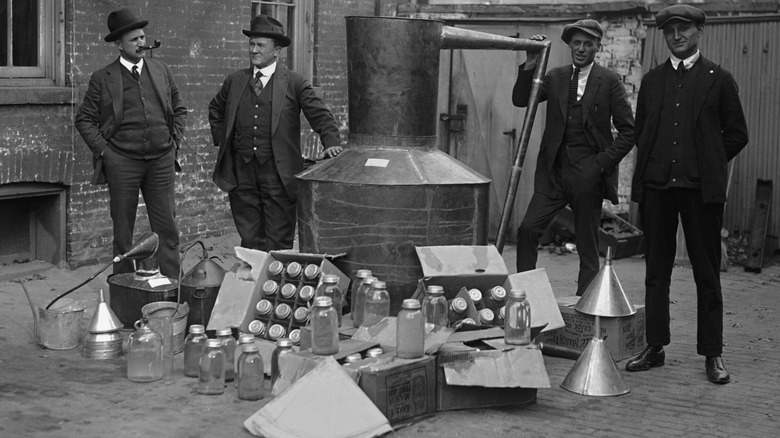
(60, 328)
(156, 312)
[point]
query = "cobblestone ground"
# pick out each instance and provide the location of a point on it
(46, 393)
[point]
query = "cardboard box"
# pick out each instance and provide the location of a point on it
(624, 336)
(495, 374)
(241, 289)
(482, 267)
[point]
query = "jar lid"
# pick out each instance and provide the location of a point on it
(251, 348)
(283, 311)
(459, 305)
(378, 284)
(276, 331)
(363, 273)
(370, 279)
(288, 290)
(330, 279)
(498, 293)
(323, 301)
(246, 338)
(502, 312)
(311, 271)
(276, 267)
(256, 327)
(517, 293)
(285, 342)
(269, 287)
(197, 328)
(306, 292)
(435, 290)
(264, 306)
(468, 321)
(213, 343)
(475, 294)
(295, 336)
(410, 303)
(224, 332)
(486, 315)
(293, 269)
(352, 358)
(374, 352)
(301, 313)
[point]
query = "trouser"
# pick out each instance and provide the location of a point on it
(263, 212)
(155, 179)
(581, 187)
(701, 223)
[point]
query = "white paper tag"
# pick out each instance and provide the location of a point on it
(377, 162)
(160, 281)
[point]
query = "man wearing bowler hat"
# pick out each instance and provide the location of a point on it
(578, 156)
(689, 125)
(255, 122)
(132, 119)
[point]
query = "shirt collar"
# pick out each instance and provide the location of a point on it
(266, 71)
(129, 65)
(584, 70)
(687, 62)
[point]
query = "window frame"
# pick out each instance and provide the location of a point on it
(50, 71)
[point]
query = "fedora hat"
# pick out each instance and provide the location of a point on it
(121, 21)
(589, 27)
(265, 26)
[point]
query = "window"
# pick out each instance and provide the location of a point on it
(30, 43)
(296, 15)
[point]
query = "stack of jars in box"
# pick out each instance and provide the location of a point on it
(285, 301)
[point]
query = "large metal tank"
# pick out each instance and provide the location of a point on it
(392, 189)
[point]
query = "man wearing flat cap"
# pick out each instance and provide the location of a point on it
(578, 156)
(689, 125)
(132, 119)
(255, 122)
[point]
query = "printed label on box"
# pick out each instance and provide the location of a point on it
(406, 394)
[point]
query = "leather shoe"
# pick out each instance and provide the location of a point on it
(716, 371)
(651, 356)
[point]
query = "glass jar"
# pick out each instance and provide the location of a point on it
(288, 291)
(410, 331)
(250, 373)
(517, 320)
(293, 272)
(306, 293)
(244, 339)
(457, 310)
(324, 327)
(330, 288)
(144, 354)
(476, 297)
(283, 346)
(495, 298)
(434, 306)
(264, 308)
(377, 305)
(360, 300)
(275, 270)
(225, 336)
(257, 328)
(211, 375)
(283, 311)
(194, 344)
(270, 288)
(360, 274)
(486, 317)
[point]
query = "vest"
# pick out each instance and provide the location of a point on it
(673, 161)
(575, 144)
(143, 132)
(252, 133)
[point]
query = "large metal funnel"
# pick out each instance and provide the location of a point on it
(604, 295)
(595, 373)
(392, 189)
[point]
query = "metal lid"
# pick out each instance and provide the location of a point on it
(246, 338)
(285, 342)
(276, 331)
(330, 279)
(295, 336)
(475, 294)
(275, 268)
(207, 273)
(517, 294)
(378, 284)
(306, 293)
(498, 293)
(502, 312)
(370, 279)
(363, 273)
(213, 343)
(294, 269)
(435, 290)
(256, 327)
(468, 321)
(411, 304)
(289, 290)
(197, 328)
(352, 358)
(459, 305)
(301, 314)
(270, 287)
(311, 272)
(283, 311)
(486, 316)
(374, 352)
(251, 348)
(264, 307)
(323, 302)
(225, 332)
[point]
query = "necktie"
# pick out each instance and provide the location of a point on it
(573, 85)
(681, 68)
(257, 84)
(135, 74)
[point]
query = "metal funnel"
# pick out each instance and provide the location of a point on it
(145, 247)
(595, 373)
(605, 296)
(104, 320)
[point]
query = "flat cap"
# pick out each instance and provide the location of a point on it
(590, 27)
(679, 12)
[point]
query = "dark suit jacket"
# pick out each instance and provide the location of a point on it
(720, 130)
(292, 94)
(603, 104)
(101, 112)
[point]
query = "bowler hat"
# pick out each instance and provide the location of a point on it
(679, 12)
(590, 27)
(121, 21)
(265, 26)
